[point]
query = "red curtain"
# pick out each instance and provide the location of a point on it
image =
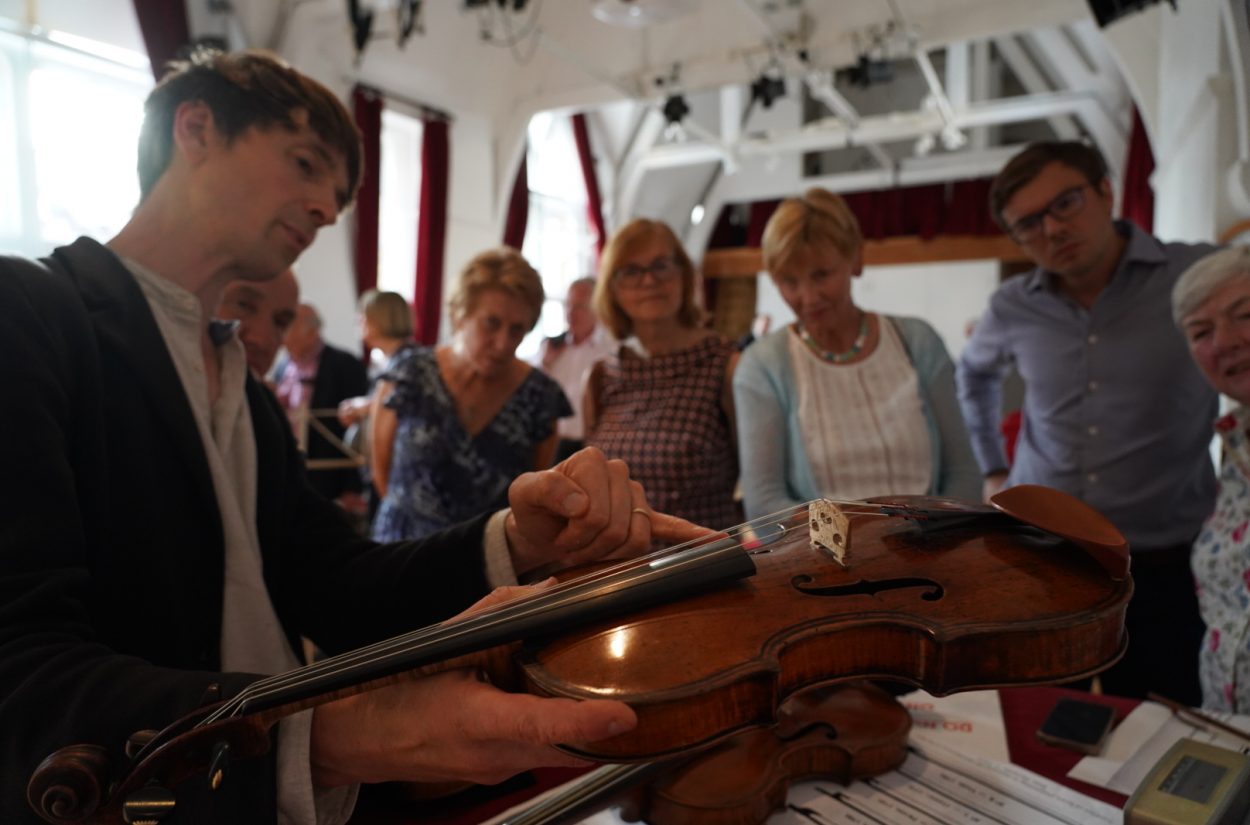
(518, 208)
(1139, 198)
(432, 228)
(594, 202)
(367, 110)
(164, 26)
(957, 208)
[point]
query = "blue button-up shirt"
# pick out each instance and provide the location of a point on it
(1115, 412)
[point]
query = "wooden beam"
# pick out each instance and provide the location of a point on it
(748, 261)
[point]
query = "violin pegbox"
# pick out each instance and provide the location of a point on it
(830, 528)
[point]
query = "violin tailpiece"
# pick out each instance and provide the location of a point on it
(830, 528)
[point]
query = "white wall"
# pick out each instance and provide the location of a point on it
(105, 21)
(1187, 99)
(947, 295)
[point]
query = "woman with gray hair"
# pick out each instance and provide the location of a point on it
(1211, 304)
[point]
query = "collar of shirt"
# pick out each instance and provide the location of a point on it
(1232, 429)
(179, 303)
(1141, 248)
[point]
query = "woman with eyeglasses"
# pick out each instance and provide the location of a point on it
(843, 403)
(663, 402)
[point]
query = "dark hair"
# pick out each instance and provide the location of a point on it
(243, 89)
(1028, 163)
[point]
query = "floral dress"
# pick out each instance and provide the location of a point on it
(440, 475)
(1221, 564)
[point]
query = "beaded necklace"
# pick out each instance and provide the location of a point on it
(839, 357)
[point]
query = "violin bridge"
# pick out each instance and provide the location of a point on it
(830, 528)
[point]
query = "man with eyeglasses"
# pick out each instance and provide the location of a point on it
(1113, 412)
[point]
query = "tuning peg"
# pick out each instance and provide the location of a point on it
(138, 741)
(148, 806)
(218, 765)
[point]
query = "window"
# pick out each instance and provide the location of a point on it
(69, 128)
(559, 241)
(399, 203)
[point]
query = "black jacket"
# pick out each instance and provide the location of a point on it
(340, 375)
(111, 549)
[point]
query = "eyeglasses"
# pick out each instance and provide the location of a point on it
(631, 275)
(1067, 204)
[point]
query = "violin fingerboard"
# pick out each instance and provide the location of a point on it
(830, 529)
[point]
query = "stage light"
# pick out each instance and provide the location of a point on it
(675, 109)
(768, 87)
(1108, 11)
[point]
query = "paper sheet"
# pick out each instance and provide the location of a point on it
(1139, 741)
(971, 722)
(938, 786)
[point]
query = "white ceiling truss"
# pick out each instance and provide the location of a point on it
(1060, 80)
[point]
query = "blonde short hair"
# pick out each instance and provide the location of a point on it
(388, 312)
(501, 269)
(1208, 276)
(623, 243)
(817, 218)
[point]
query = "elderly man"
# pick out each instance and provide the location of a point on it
(314, 375)
(264, 311)
(568, 357)
(1114, 412)
(160, 547)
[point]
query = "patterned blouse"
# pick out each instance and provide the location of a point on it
(664, 416)
(1221, 564)
(440, 475)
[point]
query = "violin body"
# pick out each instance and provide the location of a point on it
(842, 733)
(943, 610)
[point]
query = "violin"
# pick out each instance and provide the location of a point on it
(841, 733)
(709, 639)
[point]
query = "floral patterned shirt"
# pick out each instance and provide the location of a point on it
(441, 475)
(1221, 564)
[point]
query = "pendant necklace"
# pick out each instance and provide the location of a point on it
(839, 357)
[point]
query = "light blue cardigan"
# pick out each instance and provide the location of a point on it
(775, 471)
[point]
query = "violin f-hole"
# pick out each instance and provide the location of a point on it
(867, 587)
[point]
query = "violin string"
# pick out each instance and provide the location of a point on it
(512, 612)
(553, 598)
(550, 599)
(405, 640)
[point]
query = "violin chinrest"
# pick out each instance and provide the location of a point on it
(1066, 516)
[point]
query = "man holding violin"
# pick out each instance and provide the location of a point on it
(160, 545)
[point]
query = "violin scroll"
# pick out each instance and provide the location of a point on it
(67, 786)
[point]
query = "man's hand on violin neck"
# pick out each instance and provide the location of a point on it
(584, 509)
(452, 727)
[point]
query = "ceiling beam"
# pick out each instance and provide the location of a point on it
(832, 133)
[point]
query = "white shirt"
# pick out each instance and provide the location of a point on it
(569, 371)
(252, 639)
(863, 423)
